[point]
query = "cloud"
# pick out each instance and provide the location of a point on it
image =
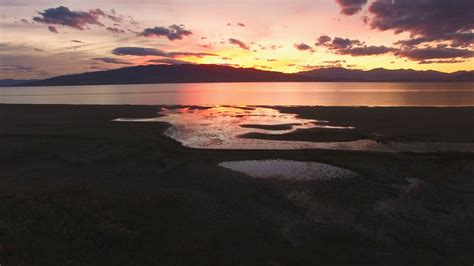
(340, 43)
(112, 60)
(52, 29)
(419, 54)
(302, 46)
(333, 63)
(366, 50)
(323, 39)
(426, 20)
(14, 68)
(114, 17)
(351, 7)
(77, 41)
(448, 61)
(65, 17)
(115, 30)
(132, 21)
(239, 43)
(138, 51)
(346, 46)
(240, 24)
(272, 47)
(173, 32)
(142, 51)
(168, 61)
(336, 42)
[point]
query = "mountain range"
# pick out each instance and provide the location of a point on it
(193, 73)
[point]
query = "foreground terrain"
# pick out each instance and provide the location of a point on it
(78, 189)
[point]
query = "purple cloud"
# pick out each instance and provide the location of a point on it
(239, 43)
(173, 32)
(302, 46)
(65, 17)
(112, 60)
(168, 61)
(351, 7)
(427, 20)
(346, 46)
(419, 54)
(323, 39)
(115, 30)
(442, 61)
(52, 29)
(142, 51)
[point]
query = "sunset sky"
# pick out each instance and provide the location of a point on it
(44, 38)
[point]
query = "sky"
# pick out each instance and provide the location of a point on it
(45, 38)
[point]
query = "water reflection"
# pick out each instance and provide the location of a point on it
(287, 169)
(219, 127)
(290, 93)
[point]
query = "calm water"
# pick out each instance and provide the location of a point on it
(311, 93)
(224, 127)
(287, 169)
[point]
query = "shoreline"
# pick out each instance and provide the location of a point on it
(239, 82)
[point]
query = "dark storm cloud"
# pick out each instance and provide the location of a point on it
(426, 20)
(142, 51)
(112, 60)
(351, 7)
(302, 46)
(173, 32)
(75, 19)
(52, 29)
(419, 54)
(239, 43)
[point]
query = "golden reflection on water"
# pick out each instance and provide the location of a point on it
(219, 127)
(290, 93)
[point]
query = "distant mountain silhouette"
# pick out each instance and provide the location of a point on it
(184, 73)
(381, 74)
(192, 73)
(13, 82)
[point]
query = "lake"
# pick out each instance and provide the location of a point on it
(291, 93)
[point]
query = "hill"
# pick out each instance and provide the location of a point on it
(192, 73)
(185, 73)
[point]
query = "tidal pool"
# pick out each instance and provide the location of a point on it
(219, 127)
(287, 169)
